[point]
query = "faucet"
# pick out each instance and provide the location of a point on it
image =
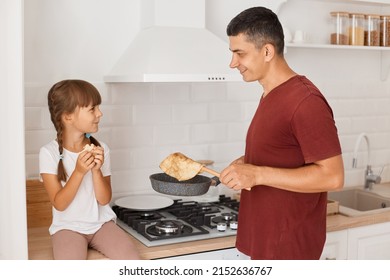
(370, 178)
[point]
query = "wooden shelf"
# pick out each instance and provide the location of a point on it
(335, 47)
(369, 2)
(385, 53)
(381, 2)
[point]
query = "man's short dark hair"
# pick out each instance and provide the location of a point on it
(260, 25)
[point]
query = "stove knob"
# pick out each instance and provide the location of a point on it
(221, 226)
(233, 224)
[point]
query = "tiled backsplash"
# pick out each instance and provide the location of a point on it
(144, 122)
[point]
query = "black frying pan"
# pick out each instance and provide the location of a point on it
(166, 184)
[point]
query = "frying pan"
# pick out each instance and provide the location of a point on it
(166, 184)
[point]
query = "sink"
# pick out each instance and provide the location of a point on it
(356, 201)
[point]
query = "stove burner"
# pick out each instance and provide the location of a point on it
(131, 217)
(168, 227)
(225, 218)
(147, 215)
(205, 208)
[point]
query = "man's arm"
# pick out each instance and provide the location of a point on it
(320, 176)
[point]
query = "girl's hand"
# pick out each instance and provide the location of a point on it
(98, 154)
(85, 162)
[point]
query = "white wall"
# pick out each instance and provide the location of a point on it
(13, 225)
(143, 123)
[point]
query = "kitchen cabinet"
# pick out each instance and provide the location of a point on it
(225, 254)
(336, 246)
(370, 242)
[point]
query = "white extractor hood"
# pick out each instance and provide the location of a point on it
(174, 46)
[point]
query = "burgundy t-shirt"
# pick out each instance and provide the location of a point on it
(293, 126)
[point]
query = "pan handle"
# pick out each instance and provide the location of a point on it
(210, 171)
(216, 180)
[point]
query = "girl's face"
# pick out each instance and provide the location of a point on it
(86, 119)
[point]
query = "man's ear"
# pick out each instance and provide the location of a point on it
(269, 52)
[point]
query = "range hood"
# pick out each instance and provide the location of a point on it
(174, 46)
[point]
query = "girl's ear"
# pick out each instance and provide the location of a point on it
(67, 118)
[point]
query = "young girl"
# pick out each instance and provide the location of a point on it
(78, 181)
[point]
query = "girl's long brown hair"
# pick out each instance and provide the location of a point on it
(63, 98)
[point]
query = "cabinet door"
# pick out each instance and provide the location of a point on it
(369, 242)
(335, 246)
(224, 254)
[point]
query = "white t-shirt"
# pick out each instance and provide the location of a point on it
(84, 214)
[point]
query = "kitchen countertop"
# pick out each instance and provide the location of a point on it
(40, 248)
(39, 242)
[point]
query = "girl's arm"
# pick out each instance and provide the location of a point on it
(61, 197)
(102, 185)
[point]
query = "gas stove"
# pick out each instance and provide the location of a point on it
(181, 222)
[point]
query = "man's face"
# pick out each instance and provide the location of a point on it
(249, 60)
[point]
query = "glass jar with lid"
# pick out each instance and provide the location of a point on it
(339, 35)
(385, 31)
(372, 30)
(356, 29)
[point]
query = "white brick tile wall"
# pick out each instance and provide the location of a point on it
(145, 157)
(131, 136)
(132, 181)
(241, 91)
(343, 125)
(201, 151)
(131, 93)
(32, 165)
(209, 133)
(36, 95)
(237, 131)
(191, 113)
(370, 124)
(143, 123)
(167, 93)
(104, 134)
(226, 112)
(122, 159)
(116, 115)
(152, 114)
(208, 92)
(226, 152)
(171, 135)
(35, 139)
(250, 109)
(33, 118)
(46, 122)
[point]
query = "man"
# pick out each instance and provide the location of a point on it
(292, 155)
